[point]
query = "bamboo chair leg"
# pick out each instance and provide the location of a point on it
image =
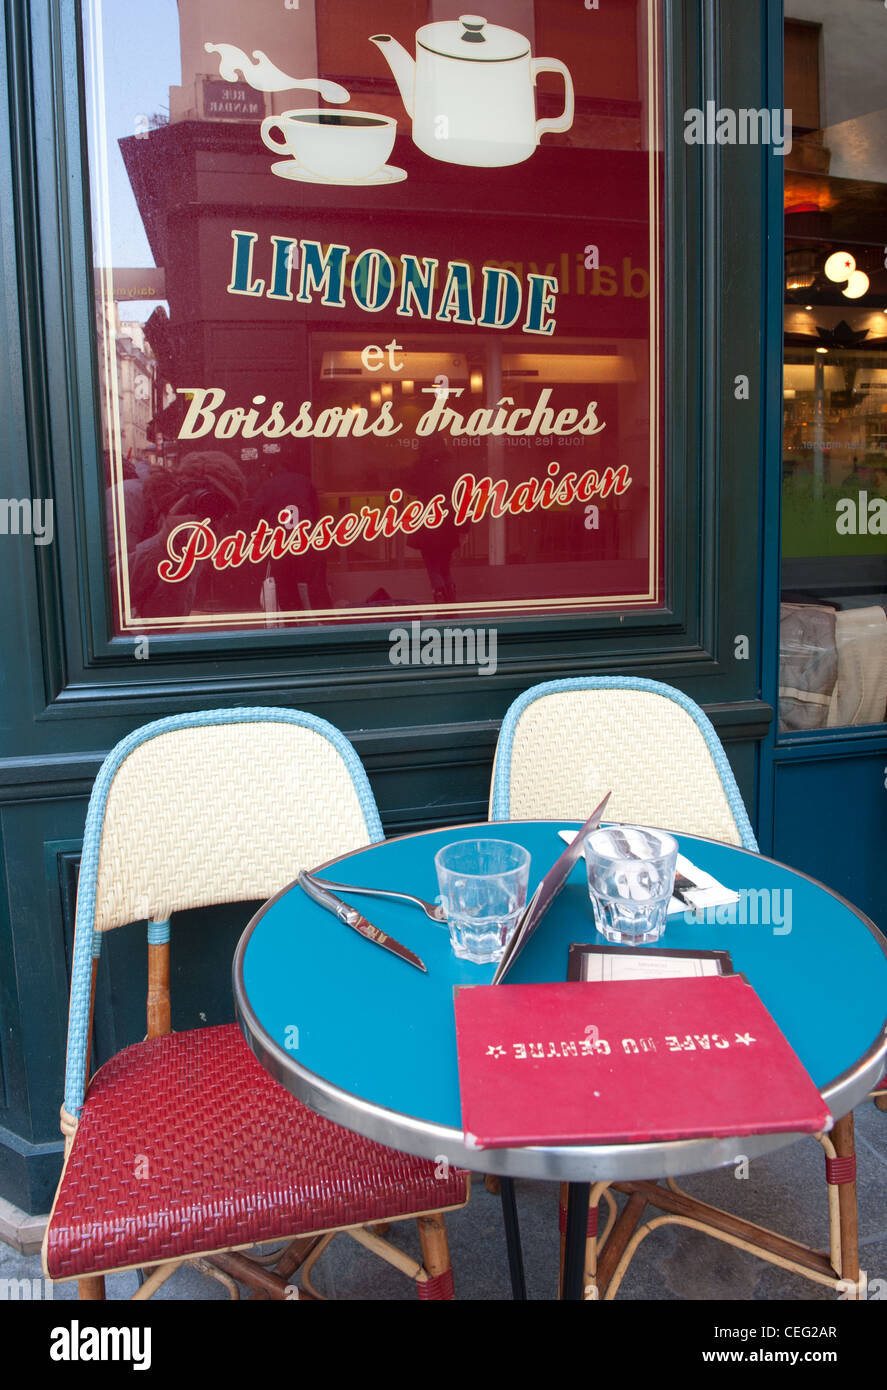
(492, 1184)
(436, 1259)
(246, 1271)
(834, 1208)
(593, 1243)
(155, 1279)
(90, 1288)
(284, 1260)
(388, 1252)
(294, 1256)
(158, 990)
(842, 1137)
(619, 1237)
(881, 1102)
(308, 1264)
(213, 1272)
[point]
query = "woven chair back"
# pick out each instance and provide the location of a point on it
(220, 813)
(563, 745)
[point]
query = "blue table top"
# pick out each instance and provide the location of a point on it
(375, 1027)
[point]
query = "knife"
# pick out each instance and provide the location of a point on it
(352, 918)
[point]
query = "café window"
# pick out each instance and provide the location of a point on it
(378, 309)
(833, 644)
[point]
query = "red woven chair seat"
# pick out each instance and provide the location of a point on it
(186, 1146)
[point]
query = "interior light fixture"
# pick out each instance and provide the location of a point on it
(857, 285)
(839, 266)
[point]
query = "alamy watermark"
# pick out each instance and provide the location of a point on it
(769, 907)
(448, 646)
(79, 1342)
(29, 1290)
(743, 126)
(27, 516)
(861, 515)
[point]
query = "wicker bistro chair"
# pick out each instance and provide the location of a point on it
(637, 733)
(182, 1147)
(562, 745)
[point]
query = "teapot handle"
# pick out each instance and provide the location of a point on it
(565, 119)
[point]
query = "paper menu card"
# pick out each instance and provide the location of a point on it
(589, 962)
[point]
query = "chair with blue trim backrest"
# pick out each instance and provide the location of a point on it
(564, 743)
(562, 746)
(182, 1146)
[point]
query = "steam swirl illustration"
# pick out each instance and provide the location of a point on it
(264, 76)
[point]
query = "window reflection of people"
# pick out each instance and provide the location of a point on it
(863, 476)
(204, 485)
(289, 489)
(433, 474)
(130, 492)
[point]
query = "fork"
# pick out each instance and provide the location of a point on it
(433, 910)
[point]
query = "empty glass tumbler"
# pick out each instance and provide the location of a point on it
(630, 879)
(483, 888)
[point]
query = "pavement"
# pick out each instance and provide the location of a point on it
(785, 1191)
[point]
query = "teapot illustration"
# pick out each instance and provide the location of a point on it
(471, 91)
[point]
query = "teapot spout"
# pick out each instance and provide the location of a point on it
(401, 64)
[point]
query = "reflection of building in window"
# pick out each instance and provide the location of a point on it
(136, 376)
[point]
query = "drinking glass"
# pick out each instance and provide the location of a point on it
(483, 888)
(630, 879)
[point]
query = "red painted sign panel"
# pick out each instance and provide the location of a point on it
(408, 362)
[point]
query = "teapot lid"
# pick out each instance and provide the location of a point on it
(471, 37)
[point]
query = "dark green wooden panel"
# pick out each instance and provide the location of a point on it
(831, 822)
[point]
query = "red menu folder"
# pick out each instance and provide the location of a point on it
(626, 1061)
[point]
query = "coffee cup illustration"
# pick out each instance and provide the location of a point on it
(332, 146)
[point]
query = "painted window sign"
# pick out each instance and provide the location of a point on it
(408, 353)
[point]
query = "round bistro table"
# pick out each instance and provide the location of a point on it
(368, 1041)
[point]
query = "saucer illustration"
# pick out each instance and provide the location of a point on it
(289, 169)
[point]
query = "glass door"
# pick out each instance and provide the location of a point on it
(833, 640)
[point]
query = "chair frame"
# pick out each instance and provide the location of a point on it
(434, 1276)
